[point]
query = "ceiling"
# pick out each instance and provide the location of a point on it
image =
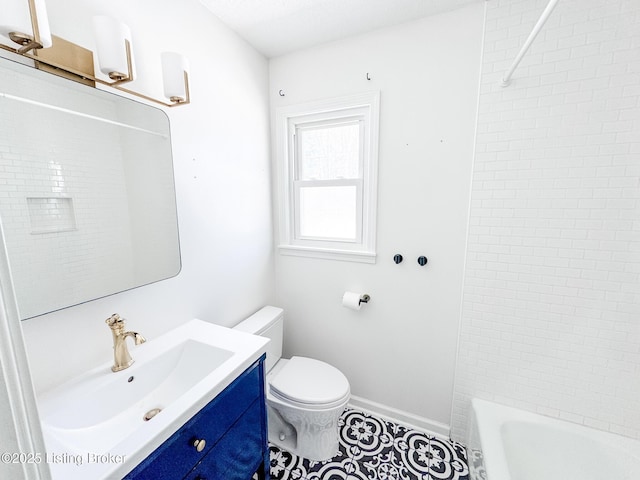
(276, 27)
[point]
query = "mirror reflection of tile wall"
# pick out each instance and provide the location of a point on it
(87, 205)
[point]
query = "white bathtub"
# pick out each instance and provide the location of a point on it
(509, 444)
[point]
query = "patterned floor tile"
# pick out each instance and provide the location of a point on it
(388, 466)
(475, 461)
(284, 465)
(445, 462)
(345, 469)
(372, 448)
(429, 457)
(367, 436)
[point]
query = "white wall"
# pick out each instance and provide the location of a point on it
(399, 350)
(552, 287)
(221, 158)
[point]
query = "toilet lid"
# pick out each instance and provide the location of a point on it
(309, 381)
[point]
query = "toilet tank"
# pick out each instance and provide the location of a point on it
(266, 322)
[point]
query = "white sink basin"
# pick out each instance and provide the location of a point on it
(173, 377)
(100, 411)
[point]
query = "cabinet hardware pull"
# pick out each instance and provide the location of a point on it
(199, 444)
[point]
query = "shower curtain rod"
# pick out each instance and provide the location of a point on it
(506, 80)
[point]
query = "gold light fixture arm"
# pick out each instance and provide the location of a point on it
(187, 99)
(120, 77)
(28, 43)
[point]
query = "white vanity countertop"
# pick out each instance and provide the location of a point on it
(68, 462)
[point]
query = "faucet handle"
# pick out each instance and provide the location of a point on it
(114, 320)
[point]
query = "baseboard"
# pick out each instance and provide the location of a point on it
(426, 425)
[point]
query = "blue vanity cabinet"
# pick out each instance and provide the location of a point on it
(232, 458)
(227, 439)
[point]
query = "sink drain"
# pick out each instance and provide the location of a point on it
(151, 413)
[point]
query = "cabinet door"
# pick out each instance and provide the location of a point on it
(178, 455)
(239, 454)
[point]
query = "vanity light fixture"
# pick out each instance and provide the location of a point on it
(175, 68)
(25, 22)
(113, 47)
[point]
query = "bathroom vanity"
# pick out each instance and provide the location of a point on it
(192, 406)
(227, 439)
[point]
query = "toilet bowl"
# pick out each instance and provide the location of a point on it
(305, 396)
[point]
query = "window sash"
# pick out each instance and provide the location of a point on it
(299, 128)
(298, 185)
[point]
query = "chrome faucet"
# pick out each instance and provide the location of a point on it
(121, 356)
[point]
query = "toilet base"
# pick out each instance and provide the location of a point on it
(311, 435)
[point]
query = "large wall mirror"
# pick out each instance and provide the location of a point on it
(87, 194)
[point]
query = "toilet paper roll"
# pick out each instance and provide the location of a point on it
(352, 300)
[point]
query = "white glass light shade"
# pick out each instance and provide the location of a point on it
(110, 45)
(15, 17)
(174, 65)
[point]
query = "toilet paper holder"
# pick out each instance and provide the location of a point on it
(354, 300)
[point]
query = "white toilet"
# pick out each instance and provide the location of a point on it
(305, 397)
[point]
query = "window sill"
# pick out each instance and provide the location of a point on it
(328, 253)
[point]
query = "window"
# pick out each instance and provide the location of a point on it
(327, 159)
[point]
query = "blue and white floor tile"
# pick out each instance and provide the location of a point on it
(371, 448)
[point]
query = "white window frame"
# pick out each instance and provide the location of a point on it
(363, 108)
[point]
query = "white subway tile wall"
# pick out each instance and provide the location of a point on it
(51, 214)
(551, 307)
